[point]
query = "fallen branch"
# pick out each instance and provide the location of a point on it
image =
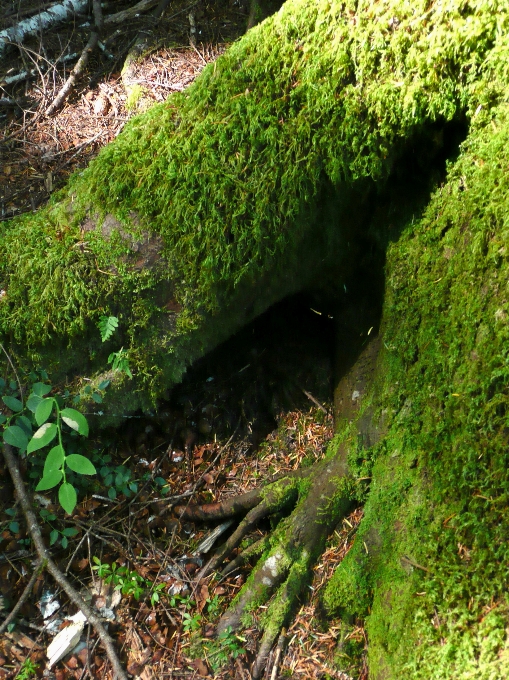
(25, 75)
(24, 596)
(36, 536)
(120, 17)
(40, 22)
(82, 61)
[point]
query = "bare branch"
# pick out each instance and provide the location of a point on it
(75, 73)
(35, 533)
(40, 22)
(24, 596)
(120, 17)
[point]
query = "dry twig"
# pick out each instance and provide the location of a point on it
(24, 596)
(75, 73)
(36, 535)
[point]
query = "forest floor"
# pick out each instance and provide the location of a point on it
(256, 407)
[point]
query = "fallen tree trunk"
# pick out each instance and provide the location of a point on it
(316, 138)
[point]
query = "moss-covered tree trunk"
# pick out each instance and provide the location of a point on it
(305, 141)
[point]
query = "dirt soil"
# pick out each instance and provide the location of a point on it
(258, 406)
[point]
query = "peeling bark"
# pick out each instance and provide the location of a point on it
(56, 14)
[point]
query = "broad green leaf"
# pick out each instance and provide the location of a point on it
(67, 497)
(50, 480)
(80, 464)
(97, 398)
(54, 459)
(14, 527)
(64, 542)
(70, 531)
(112, 493)
(25, 424)
(13, 403)
(40, 389)
(15, 436)
(42, 437)
(75, 420)
(2, 419)
(43, 411)
(103, 385)
(53, 537)
(33, 402)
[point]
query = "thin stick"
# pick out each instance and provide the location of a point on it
(14, 370)
(77, 71)
(36, 535)
(277, 656)
(315, 401)
(24, 596)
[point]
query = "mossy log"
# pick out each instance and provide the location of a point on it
(264, 178)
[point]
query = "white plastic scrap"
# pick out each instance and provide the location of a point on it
(66, 640)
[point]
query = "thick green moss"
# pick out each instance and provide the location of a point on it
(438, 499)
(229, 177)
(228, 180)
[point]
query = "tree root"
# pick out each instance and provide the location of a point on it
(320, 496)
(235, 505)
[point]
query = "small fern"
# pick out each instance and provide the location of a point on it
(107, 326)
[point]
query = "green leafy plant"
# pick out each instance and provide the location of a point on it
(107, 326)
(57, 536)
(157, 591)
(36, 413)
(120, 362)
(118, 479)
(191, 622)
(122, 578)
(227, 646)
(96, 394)
(28, 670)
(214, 607)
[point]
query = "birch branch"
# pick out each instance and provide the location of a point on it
(40, 22)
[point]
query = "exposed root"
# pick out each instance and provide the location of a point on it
(321, 496)
(254, 550)
(235, 505)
